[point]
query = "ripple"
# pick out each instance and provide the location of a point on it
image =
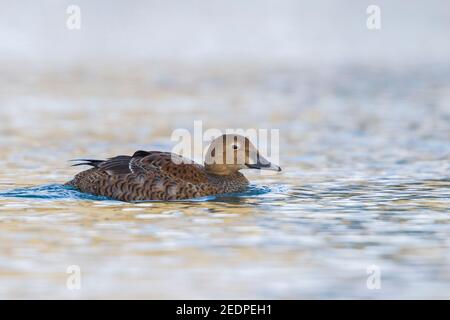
(50, 192)
(62, 192)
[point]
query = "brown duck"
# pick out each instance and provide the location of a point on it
(156, 175)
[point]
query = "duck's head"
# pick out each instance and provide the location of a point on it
(230, 153)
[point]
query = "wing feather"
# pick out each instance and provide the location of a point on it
(172, 165)
(165, 164)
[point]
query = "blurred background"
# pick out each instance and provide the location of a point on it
(198, 32)
(364, 121)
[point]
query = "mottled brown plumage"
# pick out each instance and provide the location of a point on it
(157, 175)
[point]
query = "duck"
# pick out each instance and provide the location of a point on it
(165, 176)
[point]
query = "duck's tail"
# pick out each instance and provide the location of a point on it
(87, 162)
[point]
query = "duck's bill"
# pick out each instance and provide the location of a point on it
(264, 166)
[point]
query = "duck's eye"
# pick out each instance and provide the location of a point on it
(235, 146)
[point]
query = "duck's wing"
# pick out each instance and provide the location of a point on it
(112, 166)
(171, 165)
(165, 164)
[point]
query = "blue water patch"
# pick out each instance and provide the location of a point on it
(62, 192)
(50, 192)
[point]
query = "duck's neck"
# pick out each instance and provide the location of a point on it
(229, 183)
(220, 170)
(231, 176)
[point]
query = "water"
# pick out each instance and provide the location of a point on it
(59, 191)
(365, 182)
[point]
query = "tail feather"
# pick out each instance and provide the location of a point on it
(87, 162)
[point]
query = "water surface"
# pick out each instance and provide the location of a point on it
(365, 182)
